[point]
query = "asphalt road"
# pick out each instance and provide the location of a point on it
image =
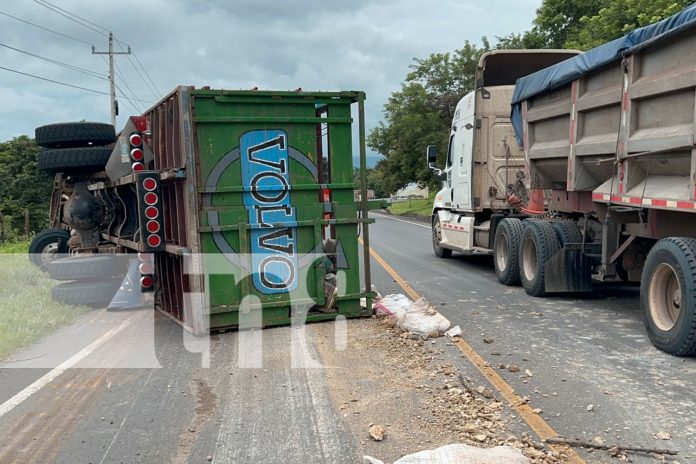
(131, 387)
(581, 351)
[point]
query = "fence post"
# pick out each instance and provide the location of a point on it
(26, 223)
(2, 228)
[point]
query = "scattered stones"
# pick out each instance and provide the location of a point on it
(513, 368)
(487, 340)
(528, 373)
(663, 436)
(590, 407)
(377, 432)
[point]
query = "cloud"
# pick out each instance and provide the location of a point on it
(316, 45)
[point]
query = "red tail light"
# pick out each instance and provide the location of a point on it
(135, 139)
(150, 198)
(137, 154)
(150, 184)
(153, 227)
(137, 166)
(146, 268)
(151, 212)
(146, 281)
(154, 241)
(144, 257)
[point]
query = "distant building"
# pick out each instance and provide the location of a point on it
(370, 195)
(411, 191)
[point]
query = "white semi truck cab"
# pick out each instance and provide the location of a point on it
(484, 167)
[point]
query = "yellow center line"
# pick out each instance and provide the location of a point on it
(542, 428)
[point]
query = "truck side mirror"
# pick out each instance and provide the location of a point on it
(431, 153)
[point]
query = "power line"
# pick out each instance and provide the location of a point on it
(133, 95)
(53, 81)
(59, 63)
(91, 25)
(146, 73)
(128, 100)
(57, 10)
(46, 29)
(61, 83)
(138, 71)
(76, 16)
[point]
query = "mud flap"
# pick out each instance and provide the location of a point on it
(129, 295)
(569, 270)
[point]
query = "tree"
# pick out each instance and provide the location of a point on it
(23, 186)
(420, 114)
(619, 17)
(556, 21)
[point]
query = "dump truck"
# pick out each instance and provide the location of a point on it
(583, 171)
(213, 203)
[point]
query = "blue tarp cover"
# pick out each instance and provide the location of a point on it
(571, 69)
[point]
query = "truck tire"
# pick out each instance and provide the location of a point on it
(567, 232)
(668, 295)
(506, 247)
(88, 267)
(440, 252)
(85, 159)
(75, 134)
(537, 245)
(48, 245)
(93, 294)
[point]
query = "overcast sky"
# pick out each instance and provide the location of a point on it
(279, 45)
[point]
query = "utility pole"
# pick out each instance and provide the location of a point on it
(112, 84)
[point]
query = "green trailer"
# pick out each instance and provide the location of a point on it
(260, 224)
(239, 204)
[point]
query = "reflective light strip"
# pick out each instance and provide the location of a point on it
(446, 225)
(659, 202)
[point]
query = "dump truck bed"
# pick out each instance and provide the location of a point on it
(617, 121)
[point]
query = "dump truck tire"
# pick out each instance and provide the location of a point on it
(86, 159)
(75, 134)
(668, 295)
(88, 267)
(93, 294)
(47, 245)
(537, 246)
(437, 238)
(567, 232)
(506, 247)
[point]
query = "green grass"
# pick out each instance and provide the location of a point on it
(420, 206)
(27, 311)
(15, 247)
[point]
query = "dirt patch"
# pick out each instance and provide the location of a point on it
(206, 402)
(406, 385)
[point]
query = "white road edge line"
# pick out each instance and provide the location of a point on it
(16, 400)
(400, 220)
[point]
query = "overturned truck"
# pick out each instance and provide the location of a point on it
(216, 202)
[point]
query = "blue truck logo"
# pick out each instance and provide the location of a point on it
(265, 163)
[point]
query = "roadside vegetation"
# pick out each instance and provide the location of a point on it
(27, 312)
(413, 207)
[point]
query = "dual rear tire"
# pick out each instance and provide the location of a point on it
(522, 248)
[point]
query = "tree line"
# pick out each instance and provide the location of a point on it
(420, 113)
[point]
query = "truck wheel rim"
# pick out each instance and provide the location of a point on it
(48, 253)
(501, 253)
(529, 259)
(664, 297)
(437, 235)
